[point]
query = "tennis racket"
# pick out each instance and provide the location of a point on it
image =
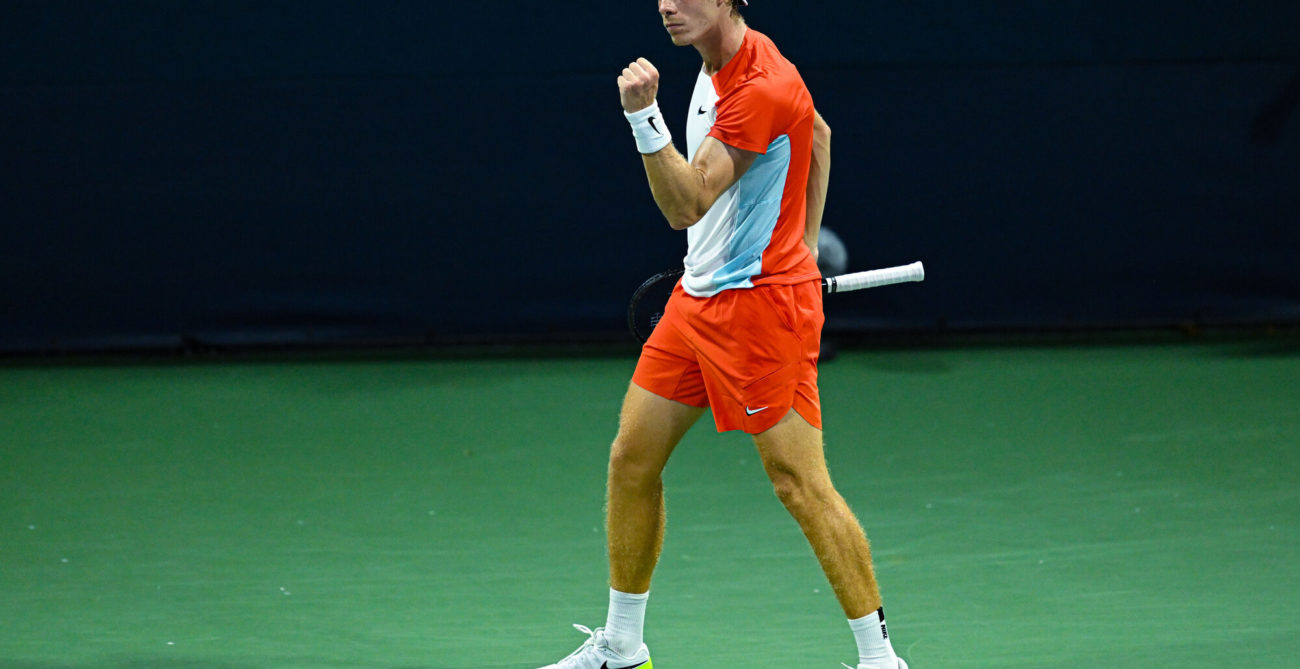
(647, 305)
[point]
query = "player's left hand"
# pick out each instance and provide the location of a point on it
(638, 85)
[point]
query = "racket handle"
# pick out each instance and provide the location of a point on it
(874, 278)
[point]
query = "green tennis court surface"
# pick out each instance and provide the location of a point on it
(1033, 506)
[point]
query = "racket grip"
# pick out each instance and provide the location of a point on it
(874, 278)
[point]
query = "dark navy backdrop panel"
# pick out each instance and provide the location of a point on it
(287, 172)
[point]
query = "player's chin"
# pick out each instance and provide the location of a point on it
(679, 37)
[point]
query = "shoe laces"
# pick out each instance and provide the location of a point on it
(588, 645)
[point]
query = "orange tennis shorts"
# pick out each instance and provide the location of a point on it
(750, 355)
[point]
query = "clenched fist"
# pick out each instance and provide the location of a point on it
(638, 85)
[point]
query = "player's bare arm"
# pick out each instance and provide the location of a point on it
(684, 191)
(818, 181)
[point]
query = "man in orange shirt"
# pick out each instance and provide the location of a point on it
(740, 334)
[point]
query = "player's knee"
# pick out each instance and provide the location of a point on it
(789, 488)
(629, 465)
(799, 493)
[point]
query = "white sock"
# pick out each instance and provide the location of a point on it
(626, 621)
(874, 649)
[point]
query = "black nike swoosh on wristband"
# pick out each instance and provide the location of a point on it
(702, 111)
(653, 126)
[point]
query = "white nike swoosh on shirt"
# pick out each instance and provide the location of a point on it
(751, 412)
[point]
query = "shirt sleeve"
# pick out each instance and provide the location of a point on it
(750, 116)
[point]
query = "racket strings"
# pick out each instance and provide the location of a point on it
(647, 306)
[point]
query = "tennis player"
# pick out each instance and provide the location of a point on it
(740, 333)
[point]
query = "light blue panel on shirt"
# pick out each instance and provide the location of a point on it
(758, 202)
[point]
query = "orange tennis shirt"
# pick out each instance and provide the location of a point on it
(753, 234)
(741, 332)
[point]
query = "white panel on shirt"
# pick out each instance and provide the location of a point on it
(708, 242)
(725, 248)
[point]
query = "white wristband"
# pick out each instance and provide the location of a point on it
(649, 129)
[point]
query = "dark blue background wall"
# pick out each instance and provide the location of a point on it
(234, 172)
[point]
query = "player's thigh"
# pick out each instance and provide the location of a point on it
(649, 429)
(792, 453)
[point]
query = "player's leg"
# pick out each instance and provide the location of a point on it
(650, 427)
(793, 457)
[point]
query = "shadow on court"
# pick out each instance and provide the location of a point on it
(1279, 348)
(911, 362)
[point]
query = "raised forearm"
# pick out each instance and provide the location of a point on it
(683, 190)
(677, 187)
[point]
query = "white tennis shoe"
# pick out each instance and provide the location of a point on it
(901, 665)
(595, 653)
